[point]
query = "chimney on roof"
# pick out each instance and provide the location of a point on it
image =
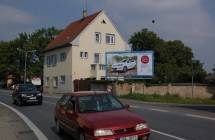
(85, 9)
(84, 13)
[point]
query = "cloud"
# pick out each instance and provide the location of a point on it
(14, 21)
(185, 20)
(10, 15)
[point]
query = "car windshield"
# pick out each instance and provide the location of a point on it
(98, 103)
(27, 87)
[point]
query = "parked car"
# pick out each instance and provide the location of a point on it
(124, 65)
(26, 93)
(91, 115)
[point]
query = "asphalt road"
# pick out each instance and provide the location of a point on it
(167, 122)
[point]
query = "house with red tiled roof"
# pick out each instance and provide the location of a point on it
(78, 52)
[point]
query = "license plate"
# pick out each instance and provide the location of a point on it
(32, 98)
(135, 137)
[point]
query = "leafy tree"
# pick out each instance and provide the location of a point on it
(173, 60)
(13, 52)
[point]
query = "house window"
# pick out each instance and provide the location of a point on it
(110, 38)
(84, 55)
(62, 79)
(98, 37)
(55, 82)
(93, 67)
(96, 58)
(51, 60)
(62, 56)
(102, 67)
(47, 81)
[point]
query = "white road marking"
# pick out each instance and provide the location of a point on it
(200, 117)
(134, 106)
(159, 110)
(32, 126)
(167, 135)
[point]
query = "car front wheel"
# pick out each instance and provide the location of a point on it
(81, 136)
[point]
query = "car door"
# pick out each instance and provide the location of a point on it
(61, 109)
(71, 116)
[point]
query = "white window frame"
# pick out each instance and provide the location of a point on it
(47, 82)
(62, 79)
(110, 39)
(102, 66)
(62, 56)
(95, 60)
(55, 82)
(51, 60)
(84, 55)
(99, 37)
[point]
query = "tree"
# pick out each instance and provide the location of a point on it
(173, 60)
(13, 52)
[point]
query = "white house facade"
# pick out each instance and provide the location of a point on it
(78, 52)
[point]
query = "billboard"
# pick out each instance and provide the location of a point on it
(130, 64)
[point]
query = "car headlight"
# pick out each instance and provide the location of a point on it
(141, 126)
(103, 132)
(39, 94)
(23, 95)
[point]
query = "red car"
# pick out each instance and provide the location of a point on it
(94, 115)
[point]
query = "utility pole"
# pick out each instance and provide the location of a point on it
(25, 67)
(26, 55)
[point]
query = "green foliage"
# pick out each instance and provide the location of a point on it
(13, 52)
(173, 60)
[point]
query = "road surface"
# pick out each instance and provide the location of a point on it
(167, 121)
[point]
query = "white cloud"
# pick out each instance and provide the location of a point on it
(185, 20)
(11, 15)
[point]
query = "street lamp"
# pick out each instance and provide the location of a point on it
(26, 55)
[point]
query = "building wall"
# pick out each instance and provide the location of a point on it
(61, 68)
(199, 91)
(77, 68)
(87, 43)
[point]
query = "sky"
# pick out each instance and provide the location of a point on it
(192, 21)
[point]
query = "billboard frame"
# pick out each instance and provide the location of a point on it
(130, 77)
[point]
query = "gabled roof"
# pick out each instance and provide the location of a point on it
(71, 32)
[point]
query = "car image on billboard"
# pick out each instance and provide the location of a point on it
(121, 65)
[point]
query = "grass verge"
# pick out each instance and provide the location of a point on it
(168, 99)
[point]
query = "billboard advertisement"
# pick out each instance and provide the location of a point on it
(130, 64)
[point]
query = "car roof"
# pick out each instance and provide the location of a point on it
(87, 93)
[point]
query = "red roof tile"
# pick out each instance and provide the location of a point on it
(71, 32)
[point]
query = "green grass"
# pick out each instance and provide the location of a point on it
(168, 99)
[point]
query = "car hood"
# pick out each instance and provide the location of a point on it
(111, 119)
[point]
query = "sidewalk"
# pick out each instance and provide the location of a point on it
(12, 127)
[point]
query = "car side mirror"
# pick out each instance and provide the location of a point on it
(127, 106)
